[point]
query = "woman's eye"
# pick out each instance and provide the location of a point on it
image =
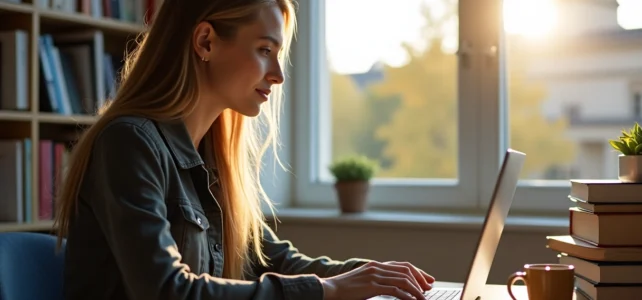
(266, 51)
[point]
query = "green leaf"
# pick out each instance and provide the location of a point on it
(631, 143)
(620, 146)
(353, 168)
(617, 145)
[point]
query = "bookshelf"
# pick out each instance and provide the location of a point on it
(35, 122)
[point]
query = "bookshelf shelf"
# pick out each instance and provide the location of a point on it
(82, 41)
(16, 116)
(64, 119)
(6, 7)
(63, 20)
(35, 226)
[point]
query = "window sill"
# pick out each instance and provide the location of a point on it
(389, 219)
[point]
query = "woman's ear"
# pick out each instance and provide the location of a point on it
(203, 40)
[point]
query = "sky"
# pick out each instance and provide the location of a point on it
(361, 32)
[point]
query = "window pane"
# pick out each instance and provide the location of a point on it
(393, 80)
(573, 82)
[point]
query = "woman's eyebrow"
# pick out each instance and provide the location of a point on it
(271, 39)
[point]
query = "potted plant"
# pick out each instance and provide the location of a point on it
(629, 144)
(352, 175)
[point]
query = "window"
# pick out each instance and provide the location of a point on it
(379, 102)
(567, 87)
(436, 93)
(364, 66)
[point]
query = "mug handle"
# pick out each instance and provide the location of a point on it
(514, 278)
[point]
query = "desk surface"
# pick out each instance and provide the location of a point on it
(492, 291)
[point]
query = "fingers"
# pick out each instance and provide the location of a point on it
(394, 279)
(398, 287)
(420, 276)
(409, 274)
(430, 279)
(401, 275)
(420, 273)
(427, 276)
(393, 291)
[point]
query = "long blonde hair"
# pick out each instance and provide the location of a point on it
(159, 82)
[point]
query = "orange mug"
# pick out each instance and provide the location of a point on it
(545, 281)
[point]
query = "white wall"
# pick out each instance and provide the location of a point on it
(600, 83)
(573, 16)
(444, 253)
(597, 98)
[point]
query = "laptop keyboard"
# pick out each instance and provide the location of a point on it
(438, 294)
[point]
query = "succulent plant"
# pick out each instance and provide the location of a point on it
(353, 168)
(629, 143)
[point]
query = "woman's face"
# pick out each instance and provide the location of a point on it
(240, 72)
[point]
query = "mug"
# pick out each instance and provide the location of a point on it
(545, 281)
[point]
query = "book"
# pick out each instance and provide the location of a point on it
(14, 70)
(598, 290)
(606, 229)
(604, 272)
(578, 248)
(45, 180)
(581, 295)
(610, 191)
(606, 208)
(11, 180)
(92, 62)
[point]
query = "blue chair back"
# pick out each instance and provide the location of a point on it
(30, 267)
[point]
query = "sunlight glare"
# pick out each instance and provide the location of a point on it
(629, 14)
(531, 18)
(356, 38)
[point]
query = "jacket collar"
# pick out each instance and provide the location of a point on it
(178, 140)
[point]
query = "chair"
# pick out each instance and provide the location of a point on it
(30, 268)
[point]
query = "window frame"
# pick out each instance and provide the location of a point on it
(482, 134)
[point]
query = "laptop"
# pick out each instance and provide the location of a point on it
(496, 215)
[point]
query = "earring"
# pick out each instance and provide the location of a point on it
(203, 59)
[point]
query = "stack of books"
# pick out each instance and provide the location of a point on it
(605, 239)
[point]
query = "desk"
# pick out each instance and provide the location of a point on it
(493, 291)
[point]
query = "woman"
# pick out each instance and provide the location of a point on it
(162, 197)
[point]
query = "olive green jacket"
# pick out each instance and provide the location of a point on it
(148, 227)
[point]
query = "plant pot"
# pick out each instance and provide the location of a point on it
(630, 168)
(353, 195)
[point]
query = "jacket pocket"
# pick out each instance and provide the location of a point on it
(194, 216)
(194, 245)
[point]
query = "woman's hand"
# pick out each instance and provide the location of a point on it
(398, 279)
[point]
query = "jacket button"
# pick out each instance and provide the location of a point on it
(218, 247)
(199, 221)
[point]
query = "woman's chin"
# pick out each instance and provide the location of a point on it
(250, 111)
